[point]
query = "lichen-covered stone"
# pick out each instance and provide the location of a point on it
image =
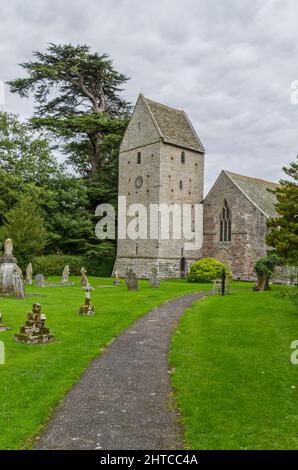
(131, 280)
(87, 308)
(34, 331)
(11, 278)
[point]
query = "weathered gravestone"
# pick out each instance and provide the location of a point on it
(65, 274)
(131, 280)
(116, 281)
(87, 308)
(84, 278)
(39, 280)
(29, 273)
(3, 327)
(154, 281)
(11, 278)
(34, 330)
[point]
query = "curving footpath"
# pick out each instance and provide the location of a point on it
(123, 400)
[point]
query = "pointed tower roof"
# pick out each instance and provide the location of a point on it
(173, 126)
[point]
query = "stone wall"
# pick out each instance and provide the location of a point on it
(168, 268)
(249, 229)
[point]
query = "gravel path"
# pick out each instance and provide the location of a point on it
(123, 400)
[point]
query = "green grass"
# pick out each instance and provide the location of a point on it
(235, 385)
(36, 377)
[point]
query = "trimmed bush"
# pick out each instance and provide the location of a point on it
(101, 267)
(206, 270)
(53, 265)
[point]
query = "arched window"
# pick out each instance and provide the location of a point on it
(225, 223)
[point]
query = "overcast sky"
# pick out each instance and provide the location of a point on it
(228, 63)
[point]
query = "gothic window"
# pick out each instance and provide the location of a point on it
(182, 157)
(225, 223)
(180, 184)
(139, 158)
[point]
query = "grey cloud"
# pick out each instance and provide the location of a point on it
(229, 64)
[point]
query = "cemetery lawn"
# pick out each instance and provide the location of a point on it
(235, 385)
(35, 378)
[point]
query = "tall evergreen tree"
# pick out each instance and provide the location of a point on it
(77, 97)
(283, 235)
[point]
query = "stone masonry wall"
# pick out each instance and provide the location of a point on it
(248, 229)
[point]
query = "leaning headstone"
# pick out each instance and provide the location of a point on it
(29, 273)
(84, 278)
(3, 327)
(131, 280)
(154, 281)
(11, 278)
(65, 274)
(116, 281)
(34, 330)
(87, 308)
(39, 280)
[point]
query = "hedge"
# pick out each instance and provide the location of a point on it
(53, 265)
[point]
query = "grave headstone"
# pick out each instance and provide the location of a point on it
(87, 308)
(11, 278)
(154, 281)
(65, 274)
(39, 280)
(116, 281)
(29, 273)
(34, 330)
(131, 280)
(84, 278)
(3, 327)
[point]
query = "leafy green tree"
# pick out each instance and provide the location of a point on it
(283, 236)
(264, 269)
(29, 168)
(25, 226)
(24, 154)
(77, 96)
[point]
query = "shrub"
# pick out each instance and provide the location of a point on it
(206, 270)
(264, 269)
(289, 292)
(53, 265)
(25, 226)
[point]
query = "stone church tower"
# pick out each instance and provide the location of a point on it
(161, 161)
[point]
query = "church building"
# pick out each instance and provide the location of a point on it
(161, 162)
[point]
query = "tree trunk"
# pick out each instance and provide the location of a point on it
(262, 284)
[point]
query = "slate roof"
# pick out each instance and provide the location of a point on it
(173, 126)
(255, 190)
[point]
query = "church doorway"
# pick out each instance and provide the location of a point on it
(183, 267)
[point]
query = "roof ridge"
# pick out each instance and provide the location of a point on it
(164, 105)
(250, 177)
